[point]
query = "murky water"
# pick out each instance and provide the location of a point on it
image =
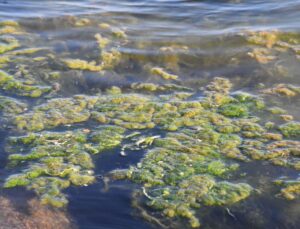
(255, 44)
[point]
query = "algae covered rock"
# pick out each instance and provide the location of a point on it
(21, 213)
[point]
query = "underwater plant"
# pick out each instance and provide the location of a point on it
(165, 75)
(55, 160)
(9, 83)
(206, 139)
(270, 49)
(10, 106)
(291, 188)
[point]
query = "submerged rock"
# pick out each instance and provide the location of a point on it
(22, 214)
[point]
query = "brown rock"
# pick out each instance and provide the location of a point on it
(31, 214)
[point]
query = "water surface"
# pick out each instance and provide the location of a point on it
(196, 40)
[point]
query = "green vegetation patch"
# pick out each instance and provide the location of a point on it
(53, 161)
(204, 141)
(12, 85)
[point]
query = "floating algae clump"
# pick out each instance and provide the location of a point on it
(108, 58)
(274, 40)
(234, 110)
(80, 22)
(102, 42)
(8, 44)
(118, 33)
(291, 188)
(10, 27)
(56, 112)
(108, 137)
(10, 106)
(272, 49)
(82, 65)
(165, 75)
(286, 90)
(156, 87)
(9, 83)
(179, 175)
(56, 160)
(290, 129)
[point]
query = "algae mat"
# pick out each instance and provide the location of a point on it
(193, 146)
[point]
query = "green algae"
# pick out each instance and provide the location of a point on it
(290, 129)
(179, 175)
(270, 50)
(25, 51)
(162, 73)
(8, 43)
(205, 136)
(56, 112)
(9, 23)
(151, 87)
(10, 27)
(225, 193)
(183, 170)
(206, 139)
(277, 110)
(291, 188)
(10, 106)
(287, 90)
(9, 83)
(56, 160)
(118, 33)
(80, 22)
(234, 110)
(79, 64)
(108, 57)
(102, 42)
(108, 137)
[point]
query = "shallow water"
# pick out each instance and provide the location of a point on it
(196, 40)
